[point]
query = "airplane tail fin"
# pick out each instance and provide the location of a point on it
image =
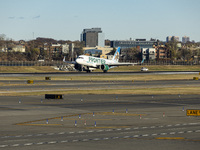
(142, 61)
(116, 55)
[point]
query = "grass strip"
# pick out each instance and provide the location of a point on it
(140, 91)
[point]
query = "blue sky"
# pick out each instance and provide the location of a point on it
(119, 19)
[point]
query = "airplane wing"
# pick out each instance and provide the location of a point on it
(124, 64)
(121, 64)
(69, 62)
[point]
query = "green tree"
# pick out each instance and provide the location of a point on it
(33, 54)
(113, 51)
(172, 48)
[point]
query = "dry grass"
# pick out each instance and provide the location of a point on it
(33, 69)
(26, 69)
(158, 68)
(109, 78)
(140, 91)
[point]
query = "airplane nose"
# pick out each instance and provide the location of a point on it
(77, 60)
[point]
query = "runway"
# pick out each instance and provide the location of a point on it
(62, 85)
(97, 73)
(98, 121)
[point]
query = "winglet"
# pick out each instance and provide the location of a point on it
(64, 59)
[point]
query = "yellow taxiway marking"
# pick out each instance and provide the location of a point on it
(170, 138)
(40, 124)
(84, 119)
(118, 114)
(68, 117)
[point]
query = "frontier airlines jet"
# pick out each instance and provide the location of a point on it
(89, 63)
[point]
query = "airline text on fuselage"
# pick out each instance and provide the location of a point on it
(97, 60)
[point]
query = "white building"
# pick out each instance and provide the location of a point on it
(65, 48)
(19, 48)
(148, 53)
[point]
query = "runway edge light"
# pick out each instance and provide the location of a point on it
(75, 123)
(163, 114)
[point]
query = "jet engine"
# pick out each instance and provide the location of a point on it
(104, 67)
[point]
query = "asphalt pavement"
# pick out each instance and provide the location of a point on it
(92, 121)
(99, 121)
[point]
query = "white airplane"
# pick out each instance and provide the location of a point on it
(89, 63)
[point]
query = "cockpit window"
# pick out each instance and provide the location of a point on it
(80, 58)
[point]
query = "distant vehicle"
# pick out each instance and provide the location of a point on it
(41, 60)
(144, 69)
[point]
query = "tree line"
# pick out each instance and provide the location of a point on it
(35, 50)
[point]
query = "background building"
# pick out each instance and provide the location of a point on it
(93, 37)
(161, 52)
(18, 48)
(169, 38)
(105, 50)
(185, 39)
(138, 43)
(148, 53)
(93, 52)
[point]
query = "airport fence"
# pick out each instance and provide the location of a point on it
(32, 63)
(61, 63)
(149, 63)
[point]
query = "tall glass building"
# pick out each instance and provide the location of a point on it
(93, 37)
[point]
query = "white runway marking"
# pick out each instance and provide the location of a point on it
(64, 141)
(180, 132)
(97, 139)
(3, 146)
(40, 143)
(75, 140)
(61, 133)
(28, 144)
(15, 145)
(154, 134)
(99, 130)
(52, 142)
(172, 132)
(145, 135)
